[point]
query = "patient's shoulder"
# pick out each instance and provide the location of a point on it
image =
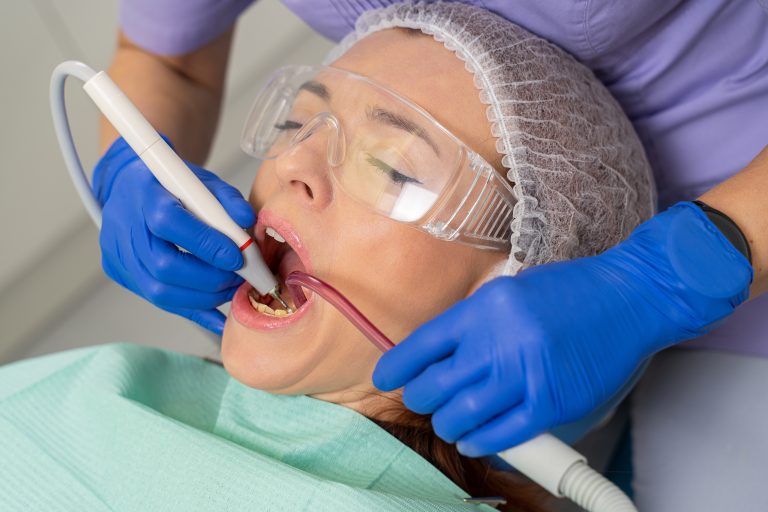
(108, 365)
(21, 374)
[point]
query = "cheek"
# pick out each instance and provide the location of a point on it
(400, 277)
(265, 185)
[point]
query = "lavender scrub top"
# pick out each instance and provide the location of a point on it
(692, 77)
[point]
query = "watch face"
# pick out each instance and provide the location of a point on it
(728, 228)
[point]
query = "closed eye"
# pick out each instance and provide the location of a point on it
(289, 125)
(394, 175)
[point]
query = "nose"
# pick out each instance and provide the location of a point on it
(304, 168)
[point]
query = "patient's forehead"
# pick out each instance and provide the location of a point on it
(424, 71)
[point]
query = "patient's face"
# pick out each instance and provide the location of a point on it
(399, 277)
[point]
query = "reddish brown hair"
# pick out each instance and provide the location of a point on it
(473, 475)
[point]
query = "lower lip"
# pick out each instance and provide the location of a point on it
(249, 317)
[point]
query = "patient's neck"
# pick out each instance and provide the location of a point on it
(368, 401)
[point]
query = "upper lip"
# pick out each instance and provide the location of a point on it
(268, 218)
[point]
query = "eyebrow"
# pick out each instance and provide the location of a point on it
(376, 114)
(398, 121)
(316, 88)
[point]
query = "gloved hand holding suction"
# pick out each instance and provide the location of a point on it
(563, 337)
(142, 225)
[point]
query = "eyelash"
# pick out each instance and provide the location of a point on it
(289, 125)
(395, 175)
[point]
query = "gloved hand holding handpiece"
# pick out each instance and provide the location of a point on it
(143, 228)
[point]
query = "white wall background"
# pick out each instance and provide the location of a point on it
(53, 295)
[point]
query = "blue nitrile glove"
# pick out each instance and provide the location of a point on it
(142, 224)
(527, 353)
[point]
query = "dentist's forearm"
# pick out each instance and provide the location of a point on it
(180, 96)
(744, 198)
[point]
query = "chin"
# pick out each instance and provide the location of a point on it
(295, 363)
(261, 361)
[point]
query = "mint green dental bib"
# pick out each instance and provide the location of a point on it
(124, 427)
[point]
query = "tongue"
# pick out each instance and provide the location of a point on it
(288, 264)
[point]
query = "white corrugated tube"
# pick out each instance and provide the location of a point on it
(564, 472)
(592, 491)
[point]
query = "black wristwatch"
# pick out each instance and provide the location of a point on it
(728, 228)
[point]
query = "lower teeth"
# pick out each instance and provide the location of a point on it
(263, 308)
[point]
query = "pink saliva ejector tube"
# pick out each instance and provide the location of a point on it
(297, 279)
(545, 459)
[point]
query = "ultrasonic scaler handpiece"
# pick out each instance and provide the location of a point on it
(169, 169)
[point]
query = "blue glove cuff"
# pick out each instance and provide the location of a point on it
(686, 270)
(704, 258)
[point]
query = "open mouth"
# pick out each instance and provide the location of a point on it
(283, 252)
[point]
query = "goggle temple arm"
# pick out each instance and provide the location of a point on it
(483, 210)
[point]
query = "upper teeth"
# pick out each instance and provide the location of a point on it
(274, 234)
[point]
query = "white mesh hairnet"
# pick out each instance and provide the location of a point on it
(577, 166)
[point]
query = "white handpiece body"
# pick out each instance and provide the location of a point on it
(174, 175)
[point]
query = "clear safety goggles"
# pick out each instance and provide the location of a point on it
(384, 151)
